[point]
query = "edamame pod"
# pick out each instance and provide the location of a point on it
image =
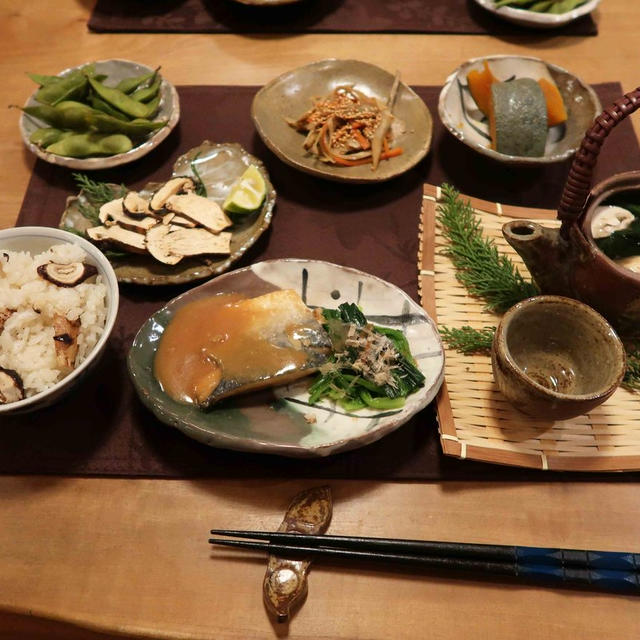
(123, 102)
(138, 128)
(129, 85)
(42, 80)
(68, 88)
(46, 136)
(146, 94)
(83, 145)
(65, 118)
(100, 105)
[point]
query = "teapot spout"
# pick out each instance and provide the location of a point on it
(544, 251)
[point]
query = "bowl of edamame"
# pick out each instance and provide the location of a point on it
(99, 115)
(540, 14)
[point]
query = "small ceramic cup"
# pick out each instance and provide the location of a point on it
(556, 358)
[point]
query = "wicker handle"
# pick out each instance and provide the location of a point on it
(576, 190)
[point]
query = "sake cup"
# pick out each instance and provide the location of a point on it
(555, 358)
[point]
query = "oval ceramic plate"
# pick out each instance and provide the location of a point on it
(116, 70)
(538, 20)
(218, 166)
(291, 94)
(461, 116)
(278, 420)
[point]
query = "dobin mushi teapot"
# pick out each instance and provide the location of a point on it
(567, 261)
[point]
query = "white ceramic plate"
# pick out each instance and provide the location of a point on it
(116, 70)
(273, 421)
(461, 116)
(538, 20)
(35, 240)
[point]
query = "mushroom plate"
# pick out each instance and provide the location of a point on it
(280, 420)
(218, 166)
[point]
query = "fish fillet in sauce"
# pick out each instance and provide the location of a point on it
(227, 344)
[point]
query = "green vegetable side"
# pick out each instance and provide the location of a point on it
(493, 277)
(372, 366)
(555, 7)
(87, 117)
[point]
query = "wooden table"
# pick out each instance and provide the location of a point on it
(92, 558)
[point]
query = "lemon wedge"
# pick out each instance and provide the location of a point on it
(247, 194)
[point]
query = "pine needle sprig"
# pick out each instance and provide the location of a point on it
(482, 270)
(468, 340)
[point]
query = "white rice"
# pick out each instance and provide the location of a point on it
(26, 341)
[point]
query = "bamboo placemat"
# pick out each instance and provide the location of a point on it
(475, 420)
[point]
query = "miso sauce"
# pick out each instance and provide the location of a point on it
(222, 337)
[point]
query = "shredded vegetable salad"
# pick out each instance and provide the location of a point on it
(372, 366)
(349, 128)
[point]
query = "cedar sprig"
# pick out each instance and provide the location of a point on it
(468, 340)
(482, 270)
(96, 194)
(632, 376)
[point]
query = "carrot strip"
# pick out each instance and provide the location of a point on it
(362, 141)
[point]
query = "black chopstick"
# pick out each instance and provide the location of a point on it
(613, 560)
(604, 579)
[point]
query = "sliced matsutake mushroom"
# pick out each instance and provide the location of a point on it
(113, 213)
(205, 212)
(134, 205)
(118, 237)
(169, 243)
(179, 220)
(11, 386)
(173, 187)
(66, 275)
(66, 341)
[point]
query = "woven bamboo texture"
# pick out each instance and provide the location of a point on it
(475, 420)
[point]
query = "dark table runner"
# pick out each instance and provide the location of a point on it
(309, 16)
(103, 428)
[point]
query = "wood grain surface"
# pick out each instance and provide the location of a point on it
(99, 558)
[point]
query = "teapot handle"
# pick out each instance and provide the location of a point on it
(576, 190)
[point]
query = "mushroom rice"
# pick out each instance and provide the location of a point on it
(48, 324)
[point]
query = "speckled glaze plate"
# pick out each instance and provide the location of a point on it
(219, 166)
(538, 20)
(116, 70)
(291, 94)
(275, 420)
(461, 116)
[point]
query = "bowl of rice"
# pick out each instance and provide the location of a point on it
(58, 304)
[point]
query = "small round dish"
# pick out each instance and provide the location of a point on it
(116, 70)
(279, 420)
(218, 166)
(37, 240)
(290, 95)
(461, 116)
(537, 20)
(555, 358)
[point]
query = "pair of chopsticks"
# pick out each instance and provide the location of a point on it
(605, 570)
